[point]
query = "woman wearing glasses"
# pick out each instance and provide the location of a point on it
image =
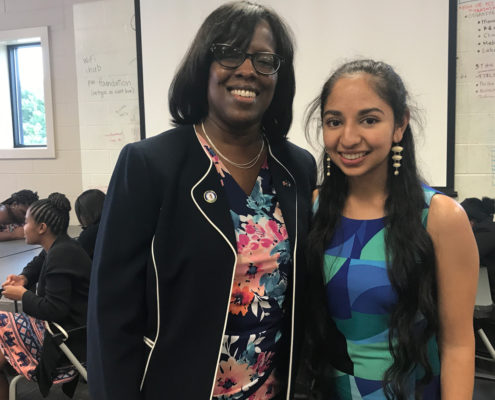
(199, 301)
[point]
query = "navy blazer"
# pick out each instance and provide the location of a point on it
(164, 264)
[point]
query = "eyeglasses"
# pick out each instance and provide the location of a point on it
(231, 57)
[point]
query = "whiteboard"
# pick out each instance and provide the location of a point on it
(412, 36)
(475, 108)
(107, 88)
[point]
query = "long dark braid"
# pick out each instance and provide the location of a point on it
(410, 258)
(53, 211)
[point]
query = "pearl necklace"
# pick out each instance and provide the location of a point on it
(246, 165)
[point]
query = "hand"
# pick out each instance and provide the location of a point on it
(13, 292)
(15, 280)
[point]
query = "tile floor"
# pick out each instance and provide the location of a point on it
(484, 389)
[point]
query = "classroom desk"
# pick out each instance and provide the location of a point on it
(15, 254)
(14, 263)
(12, 247)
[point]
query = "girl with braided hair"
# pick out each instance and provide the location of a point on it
(61, 296)
(13, 212)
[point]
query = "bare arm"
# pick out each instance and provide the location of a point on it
(457, 277)
(4, 215)
(16, 233)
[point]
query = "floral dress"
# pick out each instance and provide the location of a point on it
(254, 328)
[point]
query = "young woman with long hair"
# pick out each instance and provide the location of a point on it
(393, 262)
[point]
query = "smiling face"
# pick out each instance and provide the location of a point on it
(238, 98)
(359, 127)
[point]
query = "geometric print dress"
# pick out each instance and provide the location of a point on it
(360, 299)
(21, 342)
(252, 339)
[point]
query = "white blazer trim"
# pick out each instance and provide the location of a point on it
(233, 267)
(148, 341)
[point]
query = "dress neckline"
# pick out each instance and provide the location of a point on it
(363, 220)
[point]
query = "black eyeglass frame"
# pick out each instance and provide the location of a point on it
(251, 56)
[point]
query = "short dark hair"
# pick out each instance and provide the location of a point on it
(53, 211)
(25, 197)
(88, 207)
(233, 23)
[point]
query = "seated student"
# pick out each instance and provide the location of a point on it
(88, 207)
(61, 296)
(480, 214)
(12, 213)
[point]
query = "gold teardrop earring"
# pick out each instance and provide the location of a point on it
(397, 156)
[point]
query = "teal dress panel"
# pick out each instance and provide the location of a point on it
(360, 299)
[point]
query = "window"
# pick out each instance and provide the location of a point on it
(26, 94)
(26, 122)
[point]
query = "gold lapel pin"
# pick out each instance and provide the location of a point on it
(210, 196)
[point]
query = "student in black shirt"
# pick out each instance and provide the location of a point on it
(480, 214)
(88, 207)
(61, 295)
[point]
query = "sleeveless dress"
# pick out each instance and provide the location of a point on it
(360, 299)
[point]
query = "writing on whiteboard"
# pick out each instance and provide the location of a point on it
(102, 85)
(477, 19)
(115, 137)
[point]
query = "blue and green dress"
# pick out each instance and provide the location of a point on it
(360, 299)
